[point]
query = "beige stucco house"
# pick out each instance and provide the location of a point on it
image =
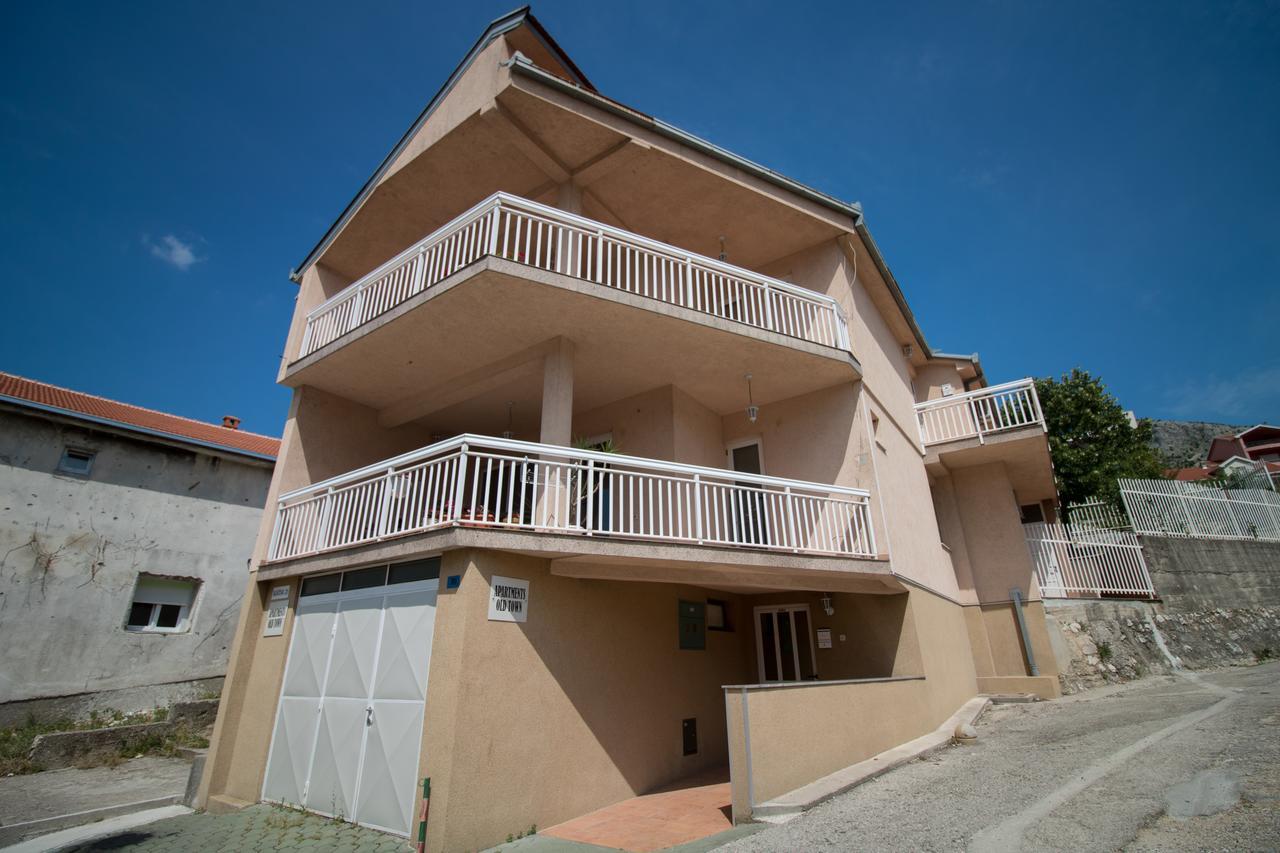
(613, 458)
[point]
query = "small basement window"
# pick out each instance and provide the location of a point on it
(76, 461)
(162, 605)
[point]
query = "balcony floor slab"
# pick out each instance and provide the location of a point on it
(745, 568)
(625, 343)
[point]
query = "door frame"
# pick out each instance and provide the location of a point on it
(750, 529)
(795, 646)
(745, 442)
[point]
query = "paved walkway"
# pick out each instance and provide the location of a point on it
(58, 792)
(693, 810)
(61, 798)
(1166, 763)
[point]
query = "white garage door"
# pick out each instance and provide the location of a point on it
(348, 729)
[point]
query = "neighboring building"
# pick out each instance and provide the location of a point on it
(1254, 449)
(124, 535)
(803, 491)
(1260, 443)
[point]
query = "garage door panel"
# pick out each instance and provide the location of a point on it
(405, 652)
(337, 757)
(292, 742)
(355, 644)
(348, 732)
(309, 652)
(388, 781)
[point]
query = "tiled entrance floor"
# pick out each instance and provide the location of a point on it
(684, 812)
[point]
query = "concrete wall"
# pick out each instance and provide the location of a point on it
(1195, 574)
(71, 550)
(580, 706)
(803, 732)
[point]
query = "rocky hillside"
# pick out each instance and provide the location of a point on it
(1185, 443)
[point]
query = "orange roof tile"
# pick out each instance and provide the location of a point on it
(77, 403)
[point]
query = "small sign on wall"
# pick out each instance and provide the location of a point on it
(508, 599)
(277, 607)
(824, 638)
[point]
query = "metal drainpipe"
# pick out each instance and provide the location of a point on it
(1016, 595)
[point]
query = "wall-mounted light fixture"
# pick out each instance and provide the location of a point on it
(827, 607)
(509, 433)
(753, 411)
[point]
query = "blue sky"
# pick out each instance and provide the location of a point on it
(1053, 184)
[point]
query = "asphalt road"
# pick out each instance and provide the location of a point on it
(1171, 763)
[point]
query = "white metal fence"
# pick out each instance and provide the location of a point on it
(521, 230)
(1175, 508)
(478, 481)
(1073, 561)
(980, 413)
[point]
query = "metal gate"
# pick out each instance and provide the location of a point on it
(348, 728)
(1074, 561)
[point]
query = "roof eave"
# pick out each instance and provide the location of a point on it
(496, 28)
(134, 428)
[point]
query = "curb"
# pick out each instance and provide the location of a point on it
(34, 831)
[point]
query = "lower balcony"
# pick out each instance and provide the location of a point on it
(540, 490)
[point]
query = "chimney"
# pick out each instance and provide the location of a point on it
(231, 422)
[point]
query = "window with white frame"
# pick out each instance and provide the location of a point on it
(162, 605)
(77, 461)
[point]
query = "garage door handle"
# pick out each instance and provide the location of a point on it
(368, 716)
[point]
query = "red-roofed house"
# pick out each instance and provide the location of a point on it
(1235, 454)
(1260, 443)
(124, 534)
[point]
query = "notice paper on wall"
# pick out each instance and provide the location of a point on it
(824, 638)
(508, 599)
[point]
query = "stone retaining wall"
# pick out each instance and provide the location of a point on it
(89, 747)
(1108, 642)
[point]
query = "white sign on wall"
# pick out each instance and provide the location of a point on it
(508, 599)
(824, 638)
(277, 607)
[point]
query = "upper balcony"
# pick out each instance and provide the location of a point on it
(979, 415)
(517, 229)
(479, 299)
(559, 500)
(1000, 423)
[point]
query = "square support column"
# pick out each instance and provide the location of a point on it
(557, 394)
(557, 508)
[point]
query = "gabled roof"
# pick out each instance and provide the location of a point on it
(577, 85)
(1269, 427)
(32, 394)
(496, 29)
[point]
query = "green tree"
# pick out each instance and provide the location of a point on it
(1090, 439)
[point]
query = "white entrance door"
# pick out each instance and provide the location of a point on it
(349, 724)
(784, 643)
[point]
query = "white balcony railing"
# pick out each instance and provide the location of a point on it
(475, 481)
(520, 230)
(980, 413)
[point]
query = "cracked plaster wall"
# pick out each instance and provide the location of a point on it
(71, 550)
